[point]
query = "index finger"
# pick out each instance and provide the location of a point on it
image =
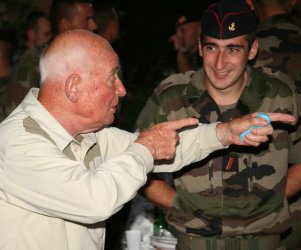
(280, 117)
(181, 123)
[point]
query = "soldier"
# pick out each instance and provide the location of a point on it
(235, 198)
(279, 53)
(107, 21)
(185, 41)
(279, 40)
(38, 30)
(64, 15)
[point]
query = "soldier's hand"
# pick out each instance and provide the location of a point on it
(229, 132)
(161, 139)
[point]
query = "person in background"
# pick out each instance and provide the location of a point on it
(7, 52)
(72, 14)
(64, 170)
(235, 198)
(279, 53)
(7, 49)
(38, 29)
(107, 22)
(296, 13)
(279, 40)
(64, 15)
(185, 41)
(37, 32)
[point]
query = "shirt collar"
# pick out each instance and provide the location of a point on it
(52, 127)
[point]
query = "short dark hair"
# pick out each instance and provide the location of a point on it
(103, 16)
(61, 9)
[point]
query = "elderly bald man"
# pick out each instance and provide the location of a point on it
(63, 171)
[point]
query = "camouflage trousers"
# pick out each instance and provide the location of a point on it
(268, 242)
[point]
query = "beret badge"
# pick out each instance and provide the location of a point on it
(232, 26)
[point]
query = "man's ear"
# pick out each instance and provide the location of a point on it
(253, 51)
(200, 47)
(71, 89)
(64, 25)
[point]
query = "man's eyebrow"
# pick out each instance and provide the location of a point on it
(116, 69)
(231, 45)
(113, 71)
(234, 46)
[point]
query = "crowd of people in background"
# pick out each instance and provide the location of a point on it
(276, 53)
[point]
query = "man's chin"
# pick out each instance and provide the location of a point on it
(110, 122)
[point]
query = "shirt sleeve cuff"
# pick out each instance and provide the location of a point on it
(144, 153)
(208, 134)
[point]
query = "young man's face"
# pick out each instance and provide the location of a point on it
(43, 33)
(225, 61)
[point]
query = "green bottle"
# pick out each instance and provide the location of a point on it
(159, 224)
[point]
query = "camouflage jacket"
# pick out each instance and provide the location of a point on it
(280, 48)
(239, 190)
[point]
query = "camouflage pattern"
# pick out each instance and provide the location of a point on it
(239, 190)
(279, 55)
(280, 48)
(24, 75)
(292, 238)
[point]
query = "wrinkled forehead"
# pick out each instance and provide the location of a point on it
(106, 60)
(79, 47)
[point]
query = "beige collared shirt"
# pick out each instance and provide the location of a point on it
(56, 191)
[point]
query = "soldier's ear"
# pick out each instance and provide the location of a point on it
(64, 25)
(71, 89)
(253, 50)
(200, 47)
